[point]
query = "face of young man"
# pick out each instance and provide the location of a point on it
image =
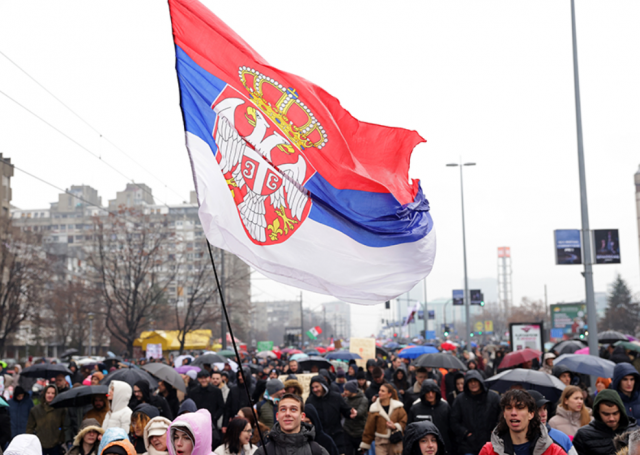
(420, 377)
(474, 386)
(565, 378)
(627, 384)
(293, 366)
(203, 380)
(216, 379)
(431, 398)
(543, 413)
(289, 415)
(610, 415)
(317, 389)
(517, 417)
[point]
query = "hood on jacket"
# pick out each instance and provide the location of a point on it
(293, 383)
(199, 425)
(156, 427)
(112, 435)
(121, 395)
(324, 372)
(188, 405)
(24, 444)
(323, 382)
(612, 396)
(124, 447)
(620, 371)
(371, 363)
(540, 445)
(547, 356)
(87, 426)
(294, 441)
(144, 389)
(147, 409)
(473, 374)
(429, 385)
(559, 370)
(418, 430)
(311, 412)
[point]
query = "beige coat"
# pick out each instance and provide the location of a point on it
(376, 426)
(566, 421)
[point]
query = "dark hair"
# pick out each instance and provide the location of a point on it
(247, 412)
(519, 398)
(377, 372)
(232, 436)
(391, 389)
(292, 396)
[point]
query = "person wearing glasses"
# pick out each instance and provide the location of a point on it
(237, 438)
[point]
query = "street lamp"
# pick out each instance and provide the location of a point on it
(464, 250)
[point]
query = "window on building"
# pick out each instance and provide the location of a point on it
(70, 239)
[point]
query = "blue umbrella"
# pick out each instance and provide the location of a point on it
(392, 345)
(299, 357)
(586, 364)
(342, 355)
(416, 351)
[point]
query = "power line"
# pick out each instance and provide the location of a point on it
(81, 146)
(87, 123)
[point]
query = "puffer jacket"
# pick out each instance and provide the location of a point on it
(376, 426)
(415, 432)
(501, 444)
(291, 444)
(439, 413)
(597, 438)
(24, 444)
(199, 424)
(631, 403)
(119, 415)
(475, 414)
(566, 421)
(355, 427)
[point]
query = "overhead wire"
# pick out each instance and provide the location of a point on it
(102, 136)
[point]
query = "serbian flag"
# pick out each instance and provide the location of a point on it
(288, 180)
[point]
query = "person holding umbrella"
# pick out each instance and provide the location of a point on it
(46, 423)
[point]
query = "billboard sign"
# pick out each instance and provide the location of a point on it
(606, 244)
(568, 246)
(526, 335)
(458, 296)
(265, 346)
(568, 317)
(488, 326)
(476, 297)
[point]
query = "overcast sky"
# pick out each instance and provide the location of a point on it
(485, 81)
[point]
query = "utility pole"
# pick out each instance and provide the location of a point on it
(324, 323)
(223, 331)
(425, 313)
(592, 319)
(301, 324)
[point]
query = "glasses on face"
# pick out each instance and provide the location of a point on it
(250, 431)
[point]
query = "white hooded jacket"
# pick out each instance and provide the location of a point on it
(119, 415)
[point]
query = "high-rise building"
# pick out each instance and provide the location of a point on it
(6, 171)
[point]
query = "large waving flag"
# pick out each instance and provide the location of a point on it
(288, 180)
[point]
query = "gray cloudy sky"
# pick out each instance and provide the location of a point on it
(488, 81)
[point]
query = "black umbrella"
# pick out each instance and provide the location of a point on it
(166, 374)
(307, 364)
(79, 396)
(112, 362)
(382, 351)
(208, 359)
(130, 376)
(611, 336)
(568, 346)
(68, 353)
(550, 386)
(46, 370)
(440, 360)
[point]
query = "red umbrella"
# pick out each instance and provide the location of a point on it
(294, 351)
(517, 357)
(321, 350)
(448, 346)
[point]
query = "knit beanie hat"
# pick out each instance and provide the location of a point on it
(351, 386)
(274, 386)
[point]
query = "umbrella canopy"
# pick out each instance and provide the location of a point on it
(392, 345)
(299, 357)
(440, 360)
(548, 385)
(611, 336)
(178, 360)
(587, 364)
(448, 346)
(88, 362)
(342, 355)
(46, 370)
(130, 376)
(79, 396)
(112, 361)
(185, 368)
(226, 353)
(266, 355)
(568, 346)
(312, 351)
(416, 351)
(517, 357)
(321, 350)
(68, 353)
(382, 351)
(307, 364)
(255, 368)
(295, 351)
(288, 350)
(166, 374)
(583, 351)
(208, 359)
(630, 345)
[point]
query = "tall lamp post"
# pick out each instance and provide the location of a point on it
(464, 250)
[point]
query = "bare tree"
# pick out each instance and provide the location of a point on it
(132, 266)
(23, 278)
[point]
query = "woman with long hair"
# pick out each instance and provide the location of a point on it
(246, 413)
(386, 417)
(571, 413)
(139, 420)
(237, 439)
(48, 424)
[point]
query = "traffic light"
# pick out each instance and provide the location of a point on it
(481, 299)
(446, 330)
(395, 335)
(479, 333)
(471, 334)
(387, 305)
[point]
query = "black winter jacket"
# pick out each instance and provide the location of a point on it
(154, 400)
(475, 414)
(209, 398)
(439, 414)
(597, 438)
(331, 407)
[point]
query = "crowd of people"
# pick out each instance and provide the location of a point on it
(389, 407)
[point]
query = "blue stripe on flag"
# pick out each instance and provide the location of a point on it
(372, 219)
(198, 90)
